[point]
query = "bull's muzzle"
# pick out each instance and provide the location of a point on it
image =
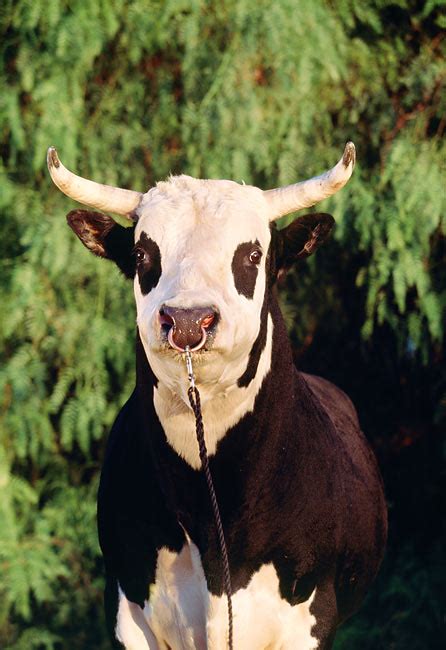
(187, 327)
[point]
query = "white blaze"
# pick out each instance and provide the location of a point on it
(198, 226)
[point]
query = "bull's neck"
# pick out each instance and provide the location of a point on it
(222, 412)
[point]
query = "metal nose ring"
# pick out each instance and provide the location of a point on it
(194, 349)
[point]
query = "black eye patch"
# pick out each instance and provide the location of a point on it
(245, 268)
(148, 263)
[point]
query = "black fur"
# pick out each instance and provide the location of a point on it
(105, 238)
(243, 270)
(257, 347)
(149, 269)
(295, 480)
(260, 342)
(302, 237)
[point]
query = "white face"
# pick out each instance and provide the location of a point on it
(196, 227)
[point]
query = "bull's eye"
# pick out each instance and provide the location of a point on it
(245, 267)
(255, 256)
(148, 263)
(140, 256)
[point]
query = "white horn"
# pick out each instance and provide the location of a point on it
(284, 200)
(96, 195)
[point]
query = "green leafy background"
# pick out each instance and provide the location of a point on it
(265, 92)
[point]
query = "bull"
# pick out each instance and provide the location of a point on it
(300, 495)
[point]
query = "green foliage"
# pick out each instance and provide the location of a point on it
(130, 91)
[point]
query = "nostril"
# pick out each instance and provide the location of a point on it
(166, 321)
(187, 327)
(208, 321)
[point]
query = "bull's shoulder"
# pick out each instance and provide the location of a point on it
(127, 470)
(128, 457)
(334, 401)
(124, 423)
(343, 439)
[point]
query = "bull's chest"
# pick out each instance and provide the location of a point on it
(181, 614)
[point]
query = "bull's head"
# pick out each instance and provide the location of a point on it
(204, 255)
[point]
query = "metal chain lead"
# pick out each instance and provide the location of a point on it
(195, 402)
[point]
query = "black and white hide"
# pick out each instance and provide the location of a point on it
(299, 491)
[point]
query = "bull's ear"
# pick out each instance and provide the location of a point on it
(104, 237)
(302, 237)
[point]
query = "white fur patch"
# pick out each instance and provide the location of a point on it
(222, 409)
(182, 615)
(131, 628)
(198, 225)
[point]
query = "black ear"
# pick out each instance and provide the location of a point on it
(105, 238)
(302, 237)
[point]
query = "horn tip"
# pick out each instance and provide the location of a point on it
(349, 156)
(52, 158)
